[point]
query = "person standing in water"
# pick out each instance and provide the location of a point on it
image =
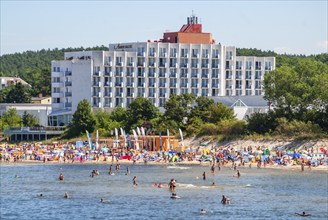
(238, 173)
(204, 176)
(110, 170)
(134, 180)
(213, 168)
(61, 176)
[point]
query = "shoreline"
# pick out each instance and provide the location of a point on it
(151, 163)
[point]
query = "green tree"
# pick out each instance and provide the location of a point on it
(17, 93)
(219, 112)
(178, 107)
(83, 119)
(139, 111)
(294, 89)
(201, 108)
(119, 114)
(29, 120)
(10, 118)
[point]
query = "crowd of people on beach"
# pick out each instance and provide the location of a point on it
(239, 156)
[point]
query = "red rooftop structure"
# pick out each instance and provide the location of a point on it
(189, 33)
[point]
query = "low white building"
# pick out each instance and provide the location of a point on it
(40, 111)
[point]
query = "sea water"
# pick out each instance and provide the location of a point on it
(257, 194)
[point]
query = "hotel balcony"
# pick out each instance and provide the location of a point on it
(68, 105)
(57, 84)
(68, 73)
(57, 94)
(68, 94)
(68, 83)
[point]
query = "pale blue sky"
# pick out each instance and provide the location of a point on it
(283, 26)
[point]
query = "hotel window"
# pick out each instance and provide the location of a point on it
(215, 83)
(195, 53)
(173, 52)
(205, 53)
(173, 91)
(249, 65)
(56, 90)
(194, 83)
(130, 61)
(141, 92)
(183, 73)
(248, 92)
(204, 73)
(56, 100)
(162, 52)
(183, 91)
(119, 61)
(268, 65)
(258, 65)
(229, 55)
(204, 83)
(140, 51)
(215, 73)
(215, 53)
(258, 74)
(183, 83)
(194, 63)
(239, 64)
(173, 82)
(238, 74)
(151, 51)
(238, 84)
(194, 92)
(54, 69)
(248, 74)
(57, 79)
(184, 52)
(162, 82)
(194, 73)
(205, 92)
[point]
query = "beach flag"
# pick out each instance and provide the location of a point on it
(97, 139)
(138, 131)
(168, 139)
(89, 139)
(143, 131)
(122, 132)
(181, 137)
(136, 139)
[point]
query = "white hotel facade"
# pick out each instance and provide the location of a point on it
(153, 70)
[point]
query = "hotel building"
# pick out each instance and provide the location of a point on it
(187, 61)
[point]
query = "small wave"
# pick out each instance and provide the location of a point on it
(177, 167)
(248, 185)
(186, 185)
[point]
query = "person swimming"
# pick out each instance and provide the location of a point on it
(102, 200)
(304, 214)
(61, 176)
(174, 196)
(202, 211)
(66, 196)
(225, 200)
